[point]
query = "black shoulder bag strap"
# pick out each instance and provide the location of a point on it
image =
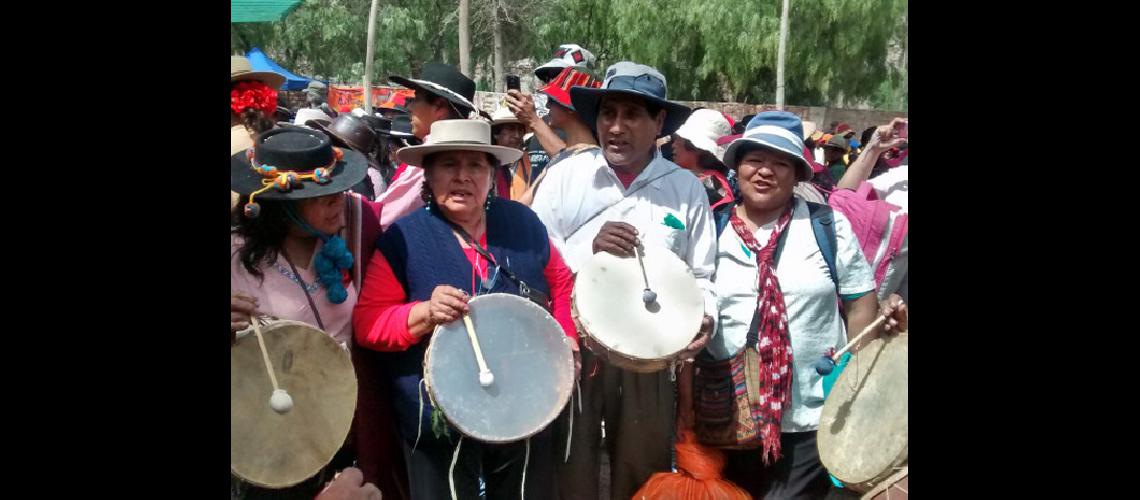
(534, 295)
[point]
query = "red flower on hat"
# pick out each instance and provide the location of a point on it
(252, 94)
(577, 56)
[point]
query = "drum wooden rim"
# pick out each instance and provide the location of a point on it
(320, 420)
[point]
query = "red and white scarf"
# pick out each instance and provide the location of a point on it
(774, 345)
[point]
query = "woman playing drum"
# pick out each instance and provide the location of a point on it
(429, 264)
(295, 256)
(770, 266)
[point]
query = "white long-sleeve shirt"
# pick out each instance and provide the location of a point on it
(580, 186)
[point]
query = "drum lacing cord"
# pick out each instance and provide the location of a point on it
(420, 414)
(451, 470)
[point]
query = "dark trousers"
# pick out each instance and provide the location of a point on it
(638, 409)
(500, 466)
(797, 475)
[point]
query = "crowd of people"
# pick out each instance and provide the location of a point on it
(377, 228)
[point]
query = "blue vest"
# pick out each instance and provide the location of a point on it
(424, 253)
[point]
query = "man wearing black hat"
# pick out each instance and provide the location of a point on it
(442, 93)
(610, 201)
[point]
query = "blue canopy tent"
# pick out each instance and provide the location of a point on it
(260, 62)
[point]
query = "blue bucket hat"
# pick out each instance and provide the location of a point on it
(634, 79)
(775, 130)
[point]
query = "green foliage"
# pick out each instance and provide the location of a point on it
(707, 49)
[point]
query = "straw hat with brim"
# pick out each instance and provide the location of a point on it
(305, 114)
(240, 70)
(503, 116)
(350, 132)
(702, 130)
(296, 151)
(458, 135)
(631, 79)
(779, 131)
(444, 81)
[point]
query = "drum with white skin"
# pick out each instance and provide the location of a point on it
(618, 321)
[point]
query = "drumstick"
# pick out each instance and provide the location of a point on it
(826, 364)
(280, 400)
(648, 296)
(486, 378)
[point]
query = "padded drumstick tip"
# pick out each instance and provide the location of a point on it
(824, 365)
(486, 378)
(649, 296)
(281, 401)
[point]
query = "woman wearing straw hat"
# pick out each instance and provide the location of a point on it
(511, 181)
(297, 254)
(429, 264)
(794, 303)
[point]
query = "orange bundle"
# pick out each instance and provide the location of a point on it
(697, 477)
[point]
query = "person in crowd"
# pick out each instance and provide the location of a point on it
(834, 151)
(442, 93)
(428, 265)
(695, 149)
(296, 254)
(578, 135)
(540, 149)
(891, 257)
(768, 260)
(355, 133)
(511, 181)
(253, 105)
(623, 195)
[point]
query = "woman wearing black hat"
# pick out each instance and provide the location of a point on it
(296, 254)
(429, 264)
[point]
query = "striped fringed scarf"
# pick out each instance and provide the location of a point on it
(774, 345)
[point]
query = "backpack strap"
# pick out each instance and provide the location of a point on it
(721, 215)
(823, 225)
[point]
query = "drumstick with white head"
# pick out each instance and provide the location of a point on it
(486, 378)
(648, 296)
(827, 363)
(280, 401)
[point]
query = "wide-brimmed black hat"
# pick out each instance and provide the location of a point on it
(633, 79)
(296, 152)
(378, 124)
(444, 81)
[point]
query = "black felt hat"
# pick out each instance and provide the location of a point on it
(444, 81)
(297, 152)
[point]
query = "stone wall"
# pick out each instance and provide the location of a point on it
(859, 119)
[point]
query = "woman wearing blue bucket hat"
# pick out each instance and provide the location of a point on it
(782, 263)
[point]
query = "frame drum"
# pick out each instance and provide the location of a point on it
(529, 355)
(273, 450)
(863, 429)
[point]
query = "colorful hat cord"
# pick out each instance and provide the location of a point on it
(286, 180)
